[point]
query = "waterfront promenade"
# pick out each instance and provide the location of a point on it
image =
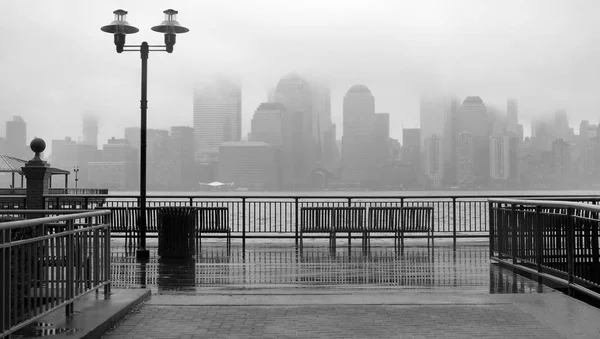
(273, 292)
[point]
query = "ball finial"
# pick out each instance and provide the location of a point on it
(38, 145)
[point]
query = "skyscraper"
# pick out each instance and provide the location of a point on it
(271, 124)
(512, 116)
(90, 130)
(16, 138)
(434, 161)
(439, 116)
(217, 116)
(358, 141)
(474, 121)
(296, 95)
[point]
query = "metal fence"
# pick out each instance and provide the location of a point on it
(278, 216)
(556, 240)
(49, 261)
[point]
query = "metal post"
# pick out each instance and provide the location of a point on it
(491, 228)
(142, 252)
(512, 220)
(5, 288)
(243, 224)
(454, 223)
(570, 228)
(296, 218)
(539, 242)
(70, 281)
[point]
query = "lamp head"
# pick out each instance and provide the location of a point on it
(170, 27)
(119, 27)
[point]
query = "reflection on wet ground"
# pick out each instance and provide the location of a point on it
(265, 264)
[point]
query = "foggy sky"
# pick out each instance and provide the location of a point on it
(56, 64)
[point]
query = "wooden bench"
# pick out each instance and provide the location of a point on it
(400, 220)
(349, 220)
(332, 220)
(316, 220)
(212, 220)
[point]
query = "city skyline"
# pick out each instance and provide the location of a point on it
(430, 47)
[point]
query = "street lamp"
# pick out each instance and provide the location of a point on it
(120, 28)
(76, 169)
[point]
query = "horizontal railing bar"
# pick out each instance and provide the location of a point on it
(47, 212)
(53, 235)
(38, 221)
(299, 195)
(544, 203)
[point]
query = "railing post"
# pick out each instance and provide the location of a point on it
(70, 281)
(539, 238)
(296, 219)
(96, 266)
(454, 222)
(191, 201)
(512, 220)
(106, 264)
(570, 245)
(349, 234)
(5, 260)
(243, 224)
(491, 227)
(501, 227)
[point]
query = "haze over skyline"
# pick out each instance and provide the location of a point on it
(58, 65)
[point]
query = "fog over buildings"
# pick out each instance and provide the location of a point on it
(475, 77)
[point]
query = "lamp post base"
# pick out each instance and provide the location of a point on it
(142, 253)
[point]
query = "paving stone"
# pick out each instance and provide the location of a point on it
(385, 321)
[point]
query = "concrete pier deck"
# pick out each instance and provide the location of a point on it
(273, 291)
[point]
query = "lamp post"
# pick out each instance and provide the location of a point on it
(76, 169)
(119, 28)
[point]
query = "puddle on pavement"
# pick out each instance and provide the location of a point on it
(36, 330)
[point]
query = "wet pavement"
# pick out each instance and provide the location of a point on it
(272, 290)
(280, 263)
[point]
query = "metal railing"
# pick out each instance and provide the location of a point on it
(56, 190)
(49, 262)
(555, 240)
(271, 215)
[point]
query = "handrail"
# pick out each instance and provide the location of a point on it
(545, 203)
(329, 195)
(37, 221)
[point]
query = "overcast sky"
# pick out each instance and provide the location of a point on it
(56, 64)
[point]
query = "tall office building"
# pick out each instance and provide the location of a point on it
(474, 120)
(271, 124)
(217, 116)
(359, 159)
(296, 95)
(512, 116)
(382, 136)
(90, 130)
(182, 154)
(434, 161)
(16, 138)
(499, 159)
(561, 125)
(439, 116)
(465, 160)
(411, 154)
(132, 135)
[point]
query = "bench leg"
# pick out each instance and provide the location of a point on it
(228, 243)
